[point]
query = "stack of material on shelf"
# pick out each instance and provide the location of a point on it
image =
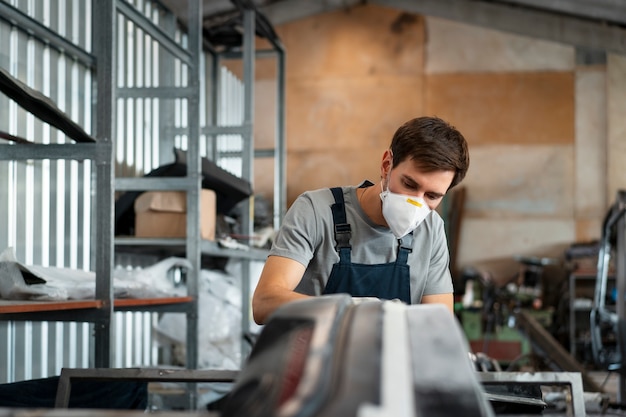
(229, 190)
(163, 214)
(35, 282)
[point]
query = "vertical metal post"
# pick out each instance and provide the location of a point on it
(620, 276)
(194, 18)
(280, 154)
(247, 159)
(248, 111)
(104, 23)
(193, 172)
(166, 106)
(214, 103)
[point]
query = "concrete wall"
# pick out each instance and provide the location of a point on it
(547, 140)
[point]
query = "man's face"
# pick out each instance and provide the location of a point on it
(407, 178)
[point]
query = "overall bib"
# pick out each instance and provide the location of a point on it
(386, 281)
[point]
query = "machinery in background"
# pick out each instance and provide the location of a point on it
(514, 323)
(488, 311)
(608, 331)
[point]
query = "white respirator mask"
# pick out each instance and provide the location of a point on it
(402, 212)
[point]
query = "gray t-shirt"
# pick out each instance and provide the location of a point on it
(307, 236)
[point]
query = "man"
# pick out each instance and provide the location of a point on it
(376, 240)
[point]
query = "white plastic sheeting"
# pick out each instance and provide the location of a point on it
(219, 323)
(53, 283)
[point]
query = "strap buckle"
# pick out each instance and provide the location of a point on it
(343, 232)
(406, 242)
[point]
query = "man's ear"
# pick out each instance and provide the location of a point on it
(386, 164)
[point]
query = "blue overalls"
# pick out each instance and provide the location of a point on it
(386, 281)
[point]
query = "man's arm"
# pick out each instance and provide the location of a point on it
(445, 299)
(279, 278)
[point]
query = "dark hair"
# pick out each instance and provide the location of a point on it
(433, 144)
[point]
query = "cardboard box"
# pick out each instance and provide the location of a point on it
(164, 214)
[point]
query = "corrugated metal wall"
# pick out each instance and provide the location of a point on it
(45, 205)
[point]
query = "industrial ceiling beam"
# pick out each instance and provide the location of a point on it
(552, 26)
(596, 25)
(603, 10)
(285, 11)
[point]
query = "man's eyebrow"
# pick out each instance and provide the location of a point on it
(410, 180)
(435, 194)
(414, 183)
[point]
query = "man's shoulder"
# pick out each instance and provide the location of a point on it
(311, 203)
(322, 195)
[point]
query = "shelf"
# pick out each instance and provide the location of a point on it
(154, 184)
(86, 310)
(177, 246)
(20, 306)
(213, 248)
(74, 310)
(170, 304)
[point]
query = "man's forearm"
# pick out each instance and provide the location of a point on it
(263, 305)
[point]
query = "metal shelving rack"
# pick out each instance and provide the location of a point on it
(194, 246)
(248, 55)
(189, 56)
(104, 244)
(99, 310)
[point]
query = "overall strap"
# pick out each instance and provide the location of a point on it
(405, 246)
(343, 232)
